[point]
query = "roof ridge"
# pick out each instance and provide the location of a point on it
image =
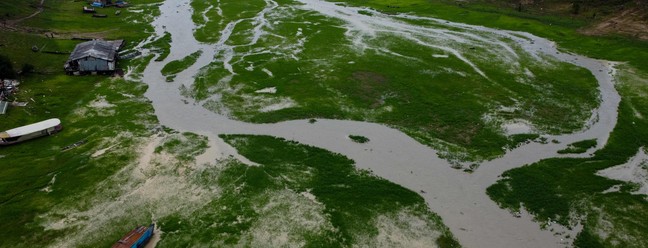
(96, 48)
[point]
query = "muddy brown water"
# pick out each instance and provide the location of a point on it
(458, 197)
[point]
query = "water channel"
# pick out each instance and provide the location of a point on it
(458, 197)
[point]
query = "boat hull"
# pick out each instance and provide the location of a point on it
(17, 137)
(136, 238)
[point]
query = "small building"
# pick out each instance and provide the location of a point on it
(95, 56)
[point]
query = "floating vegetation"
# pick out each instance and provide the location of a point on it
(572, 190)
(359, 139)
(177, 66)
(579, 147)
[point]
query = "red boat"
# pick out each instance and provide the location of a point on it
(136, 238)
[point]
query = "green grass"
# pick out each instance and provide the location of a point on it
(17, 46)
(348, 200)
(563, 30)
(66, 18)
(553, 188)
(29, 167)
(85, 183)
(11, 10)
(62, 17)
(185, 146)
(559, 188)
(567, 190)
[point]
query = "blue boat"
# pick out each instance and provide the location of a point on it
(136, 238)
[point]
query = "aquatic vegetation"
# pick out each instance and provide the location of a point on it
(184, 146)
(177, 66)
(579, 147)
(162, 45)
(456, 88)
(307, 196)
(359, 139)
(386, 68)
(568, 190)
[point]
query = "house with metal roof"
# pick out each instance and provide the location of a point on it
(95, 56)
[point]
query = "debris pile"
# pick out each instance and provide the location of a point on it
(7, 88)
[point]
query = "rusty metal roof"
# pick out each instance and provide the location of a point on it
(100, 49)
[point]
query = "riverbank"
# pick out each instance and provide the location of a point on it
(134, 160)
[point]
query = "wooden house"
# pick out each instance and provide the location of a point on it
(95, 56)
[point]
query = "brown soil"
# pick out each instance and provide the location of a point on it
(630, 22)
(371, 86)
(622, 17)
(92, 35)
(369, 77)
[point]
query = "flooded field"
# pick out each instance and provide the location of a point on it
(458, 197)
(301, 123)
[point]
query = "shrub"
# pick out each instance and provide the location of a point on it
(27, 69)
(6, 68)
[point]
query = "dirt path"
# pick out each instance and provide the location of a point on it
(12, 25)
(38, 11)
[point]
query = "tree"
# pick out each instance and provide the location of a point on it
(6, 68)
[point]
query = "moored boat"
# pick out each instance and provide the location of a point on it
(136, 238)
(88, 10)
(31, 131)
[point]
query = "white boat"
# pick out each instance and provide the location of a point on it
(31, 131)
